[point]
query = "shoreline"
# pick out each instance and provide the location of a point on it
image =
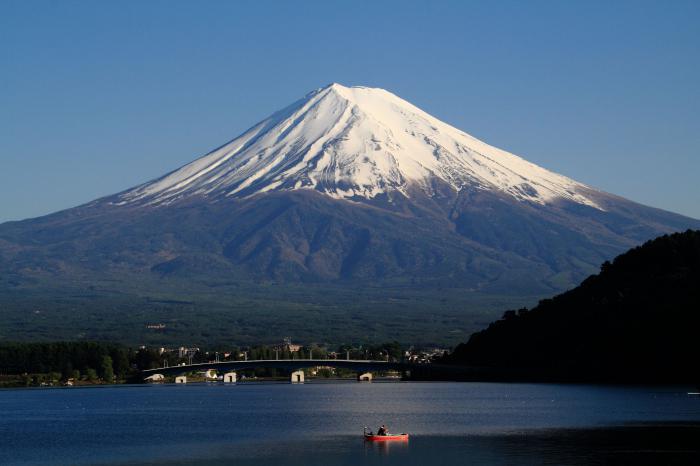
(688, 390)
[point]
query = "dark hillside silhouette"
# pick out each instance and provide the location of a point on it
(636, 321)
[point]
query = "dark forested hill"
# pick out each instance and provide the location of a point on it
(638, 320)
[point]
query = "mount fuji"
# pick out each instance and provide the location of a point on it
(352, 143)
(348, 202)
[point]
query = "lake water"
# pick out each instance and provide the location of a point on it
(321, 424)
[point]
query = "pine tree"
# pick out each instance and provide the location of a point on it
(107, 371)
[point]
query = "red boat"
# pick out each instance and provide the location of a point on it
(385, 438)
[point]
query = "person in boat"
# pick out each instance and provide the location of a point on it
(383, 430)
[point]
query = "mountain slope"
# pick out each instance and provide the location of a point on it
(349, 189)
(637, 320)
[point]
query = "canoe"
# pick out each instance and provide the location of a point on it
(384, 438)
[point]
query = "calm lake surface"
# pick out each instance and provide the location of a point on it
(321, 424)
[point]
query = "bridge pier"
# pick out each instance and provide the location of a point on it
(154, 378)
(230, 377)
(297, 377)
(366, 377)
(181, 379)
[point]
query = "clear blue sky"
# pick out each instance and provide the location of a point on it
(96, 97)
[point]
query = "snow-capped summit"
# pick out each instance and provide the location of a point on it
(350, 142)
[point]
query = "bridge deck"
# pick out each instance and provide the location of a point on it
(287, 364)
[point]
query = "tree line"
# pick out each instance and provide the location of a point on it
(90, 360)
(102, 362)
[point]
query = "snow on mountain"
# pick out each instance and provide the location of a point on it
(350, 142)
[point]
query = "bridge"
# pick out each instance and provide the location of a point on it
(363, 368)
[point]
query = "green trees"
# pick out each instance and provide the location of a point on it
(635, 321)
(146, 359)
(106, 369)
(121, 363)
(63, 357)
(67, 371)
(108, 361)
(91, 374)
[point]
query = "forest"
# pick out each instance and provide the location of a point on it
(636, 321)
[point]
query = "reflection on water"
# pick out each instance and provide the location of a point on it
(384, 448)
(321, 424)
(674, 444)
(641, 445)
